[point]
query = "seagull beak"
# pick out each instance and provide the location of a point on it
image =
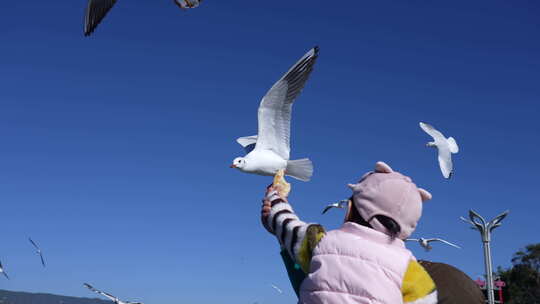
(232, 166)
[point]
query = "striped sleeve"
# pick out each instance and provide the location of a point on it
(295, 236)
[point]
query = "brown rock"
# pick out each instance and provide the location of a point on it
(453, 285)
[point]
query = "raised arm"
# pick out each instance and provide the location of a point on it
(295, 236)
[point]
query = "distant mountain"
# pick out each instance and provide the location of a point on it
(17, 297)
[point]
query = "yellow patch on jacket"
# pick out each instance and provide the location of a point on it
(417, 283)
(314, 234)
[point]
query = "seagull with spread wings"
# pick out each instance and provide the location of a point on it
(109, 296)
(269, 151)
(97, 9)
(425, 242)
(38, 251)
(445, 146)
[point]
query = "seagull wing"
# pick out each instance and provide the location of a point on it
(108, 295)
(328, 208)
(100, 292)
(42, 260)
(445, 161)
(33, 243)
(412, 240)
(429, 129)
(342, 204)
(3, 271)
(91, 287)
(95, 12)
(248, 142)
(276, 288)
(274, 112)
(448, 243)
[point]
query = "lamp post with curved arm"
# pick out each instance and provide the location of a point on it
(485, 228)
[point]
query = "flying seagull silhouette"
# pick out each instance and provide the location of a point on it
(38, 251)
(111, 297)
(425, 242)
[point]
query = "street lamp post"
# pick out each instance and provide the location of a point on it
(485, 229)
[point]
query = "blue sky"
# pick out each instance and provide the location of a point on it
(115, 148)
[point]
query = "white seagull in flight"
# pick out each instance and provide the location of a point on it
(3, 271)
(111, 297)
(97, 9)
(269, 151)
(445, 146)
(38, 251)
(425, 242)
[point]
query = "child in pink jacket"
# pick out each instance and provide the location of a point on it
(365, 261)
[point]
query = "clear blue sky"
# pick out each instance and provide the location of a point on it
(115, 149)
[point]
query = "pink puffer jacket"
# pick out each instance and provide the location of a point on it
(356, 264)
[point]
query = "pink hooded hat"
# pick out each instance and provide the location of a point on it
(389, 193)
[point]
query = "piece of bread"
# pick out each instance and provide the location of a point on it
(283, 188)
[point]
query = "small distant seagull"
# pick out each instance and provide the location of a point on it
(97, 9)
(342, 204)
(276, 288)
(3, 271)
(425, 242)
(187, 4)
(111, 297)
(446, 147)
(269, 151)
(38, 251)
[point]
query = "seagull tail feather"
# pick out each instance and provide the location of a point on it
(301, 169)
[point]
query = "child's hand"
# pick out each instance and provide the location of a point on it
(265, 212)
(270, 195)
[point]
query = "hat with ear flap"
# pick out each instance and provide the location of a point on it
(392, 194)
